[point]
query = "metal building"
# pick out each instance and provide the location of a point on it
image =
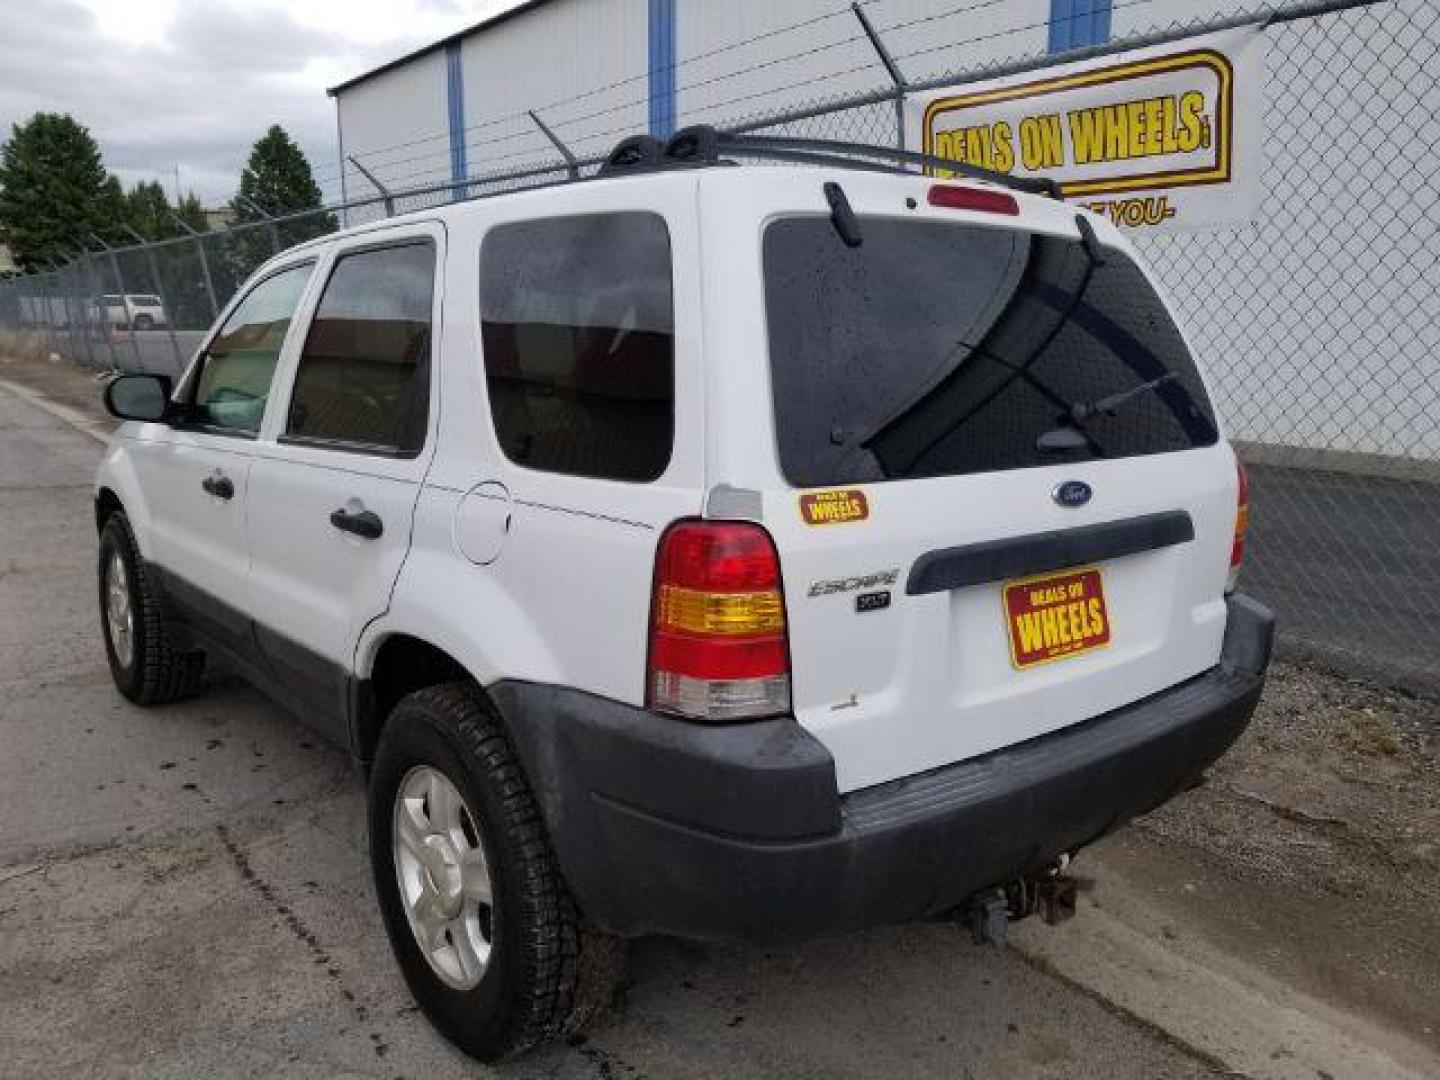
(595, 71)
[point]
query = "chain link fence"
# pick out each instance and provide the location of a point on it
(1318, 320)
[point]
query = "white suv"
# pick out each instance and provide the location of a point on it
(134, 311)
(726, 552)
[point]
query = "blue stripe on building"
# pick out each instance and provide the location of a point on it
(662, 68)
(455, 107)
(1075, 24)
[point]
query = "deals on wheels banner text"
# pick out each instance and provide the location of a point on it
(1160, 138)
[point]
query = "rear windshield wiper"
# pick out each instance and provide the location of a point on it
(1083, 410)
(1067, 435)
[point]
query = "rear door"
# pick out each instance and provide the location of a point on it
(336, 475)
(994, 476)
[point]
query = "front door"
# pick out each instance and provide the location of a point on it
(336, 476)
(195, 476)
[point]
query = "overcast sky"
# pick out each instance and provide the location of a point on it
(194, 83)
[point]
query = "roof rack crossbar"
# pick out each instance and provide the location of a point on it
(764, 145)
(817, 157)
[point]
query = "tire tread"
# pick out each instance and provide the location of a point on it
(166, 673)
(573, 968)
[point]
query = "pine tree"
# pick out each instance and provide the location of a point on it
(277, 180)
(147, 211)
(54, 190)
(192, 213)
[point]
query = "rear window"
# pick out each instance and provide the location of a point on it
(937, 349)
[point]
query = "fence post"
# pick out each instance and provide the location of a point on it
(86, 256)
(384, 191)
(204, 264)
(891, 67)
(124, 304)
(77, 331)
(272, 228)
(160, 292)
(571, 165)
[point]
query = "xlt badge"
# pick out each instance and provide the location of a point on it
(872, 601)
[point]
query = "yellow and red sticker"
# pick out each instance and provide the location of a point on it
(834, 507)
(1056, 616)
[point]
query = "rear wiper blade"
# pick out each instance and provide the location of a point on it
(1083, 410)
(1068, 437)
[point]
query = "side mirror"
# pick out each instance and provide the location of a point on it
(139, 397)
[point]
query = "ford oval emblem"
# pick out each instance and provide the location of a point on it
(1072, 493)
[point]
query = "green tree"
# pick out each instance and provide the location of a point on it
(277, 182)
(192, 213)
(147, 211)
(54, 190)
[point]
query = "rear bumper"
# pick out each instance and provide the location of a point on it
(738, 832)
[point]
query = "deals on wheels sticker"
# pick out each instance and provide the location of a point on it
(834, 507)
(1166, 137)
(1056, 616)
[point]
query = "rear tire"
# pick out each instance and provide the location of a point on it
(544, 971)
(144, 661)
(144, 322)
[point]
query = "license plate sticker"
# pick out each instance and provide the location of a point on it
(1056, 616)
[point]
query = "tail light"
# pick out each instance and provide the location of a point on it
(1242, 522)
(718, 645)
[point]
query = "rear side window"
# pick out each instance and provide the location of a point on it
(233, 383)
(364, 375)
(937, 349)
(578, 329)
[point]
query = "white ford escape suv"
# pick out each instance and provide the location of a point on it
(726, 552)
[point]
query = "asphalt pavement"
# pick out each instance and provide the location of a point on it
(184, 892)
(1352, 563)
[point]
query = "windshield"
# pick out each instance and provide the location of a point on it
(937, 349)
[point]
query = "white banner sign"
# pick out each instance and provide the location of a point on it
(1160, 138)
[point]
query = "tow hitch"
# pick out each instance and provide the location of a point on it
(1050, 894)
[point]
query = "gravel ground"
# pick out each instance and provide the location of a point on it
(1325, 819)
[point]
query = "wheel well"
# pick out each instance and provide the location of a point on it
(403, 665)
(106, 503)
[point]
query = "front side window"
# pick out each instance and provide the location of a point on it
(233, 383)
(939, 349)
(578, 330)
(364, 375)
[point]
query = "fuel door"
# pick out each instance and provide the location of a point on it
(482, 522)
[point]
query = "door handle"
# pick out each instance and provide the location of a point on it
(219, 486)
(366, 523)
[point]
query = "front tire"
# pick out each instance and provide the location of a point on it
(478, 913)
(144, 662)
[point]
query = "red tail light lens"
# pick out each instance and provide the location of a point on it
(1242, 523)
(951, 197)
(718, 644)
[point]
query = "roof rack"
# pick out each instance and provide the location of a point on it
(704, 145)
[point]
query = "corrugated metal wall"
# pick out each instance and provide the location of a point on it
(586, 67)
